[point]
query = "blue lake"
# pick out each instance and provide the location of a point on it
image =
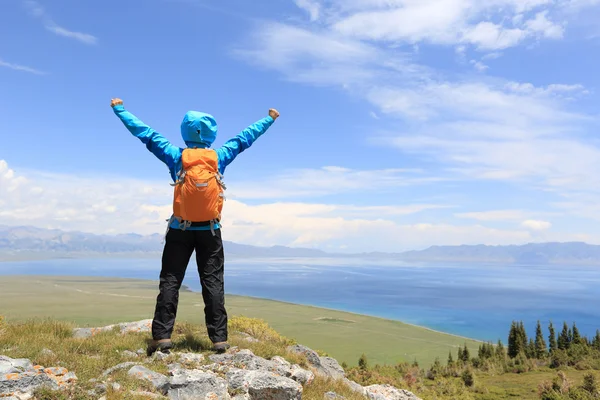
(477, 301)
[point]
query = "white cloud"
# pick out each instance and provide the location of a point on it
(60, 31)
(495, 215)
(492, 56)
(327, 181)
(536, 225)
(479, 66)
(491, 129)
(38, 11)
(23, 68)
(541, 24)
(116, 205)
(446, 22)
(311, 6)
(303, 226)
(490, 36)
(320, 58)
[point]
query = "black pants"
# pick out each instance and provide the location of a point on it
(178, 250)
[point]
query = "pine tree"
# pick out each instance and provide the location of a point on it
(596, 341)
(513, 341)
(540, 344)
(450, 359)
(500, 350)
(563, 338)
(486, 351)
(530, 350)
(570, 334)
(590, 384)
(363, 363)
(523, 336)
(466, 356)
(552, 338)
(437, 366)
(576, 336)
(459, 357)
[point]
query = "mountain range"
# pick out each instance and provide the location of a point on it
(31, 242)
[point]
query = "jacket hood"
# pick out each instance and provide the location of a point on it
(198, 129)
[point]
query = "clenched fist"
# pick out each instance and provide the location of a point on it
(273, 113)
(116, 102)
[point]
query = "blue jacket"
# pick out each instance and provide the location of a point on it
(197, 130)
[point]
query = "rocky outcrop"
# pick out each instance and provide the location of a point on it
(258, 385)
(197, 384)
(158, 381)
(387, 392)
(19, 378)
(144, 326)
(324, 366)
(238, 374)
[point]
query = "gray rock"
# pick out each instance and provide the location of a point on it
(25, 382)
(249, 361)
(388, 392)
(191, 358)
(159, 381)
(6, 367)
(129, 354)
(14, 365)
(144, 326)
(281, 361)
(333, 396)
(116, 387)
(221, 358)
(70, 377)
(147, 395)
(100, 388)
(355, 387)
(311, 356)
(160, 356)
(47, 353)
(324, 366)
(332, 367)
(124, 365)
(174, 368)
(141, 352)
(301, 375)
(197, 384)
(19, 396)
(260, 385)
(81, 333)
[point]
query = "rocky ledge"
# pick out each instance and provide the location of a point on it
(19, 378)
(238, 374)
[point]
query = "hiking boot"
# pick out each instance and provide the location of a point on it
(221, 347)
(163, 345)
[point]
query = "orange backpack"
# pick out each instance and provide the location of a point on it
(198, 194)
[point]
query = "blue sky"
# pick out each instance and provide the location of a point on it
(403, 124)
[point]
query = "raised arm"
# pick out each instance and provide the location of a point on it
(154, 141)
(233, 147)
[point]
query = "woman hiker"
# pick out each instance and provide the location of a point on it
(195, 224)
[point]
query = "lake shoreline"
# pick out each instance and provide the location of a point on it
(240, 296)
(461, 300)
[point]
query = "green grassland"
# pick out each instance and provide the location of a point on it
(345, 336)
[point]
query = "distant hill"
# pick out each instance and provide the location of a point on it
(30, 242)
(27, 241)
(533, 253)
